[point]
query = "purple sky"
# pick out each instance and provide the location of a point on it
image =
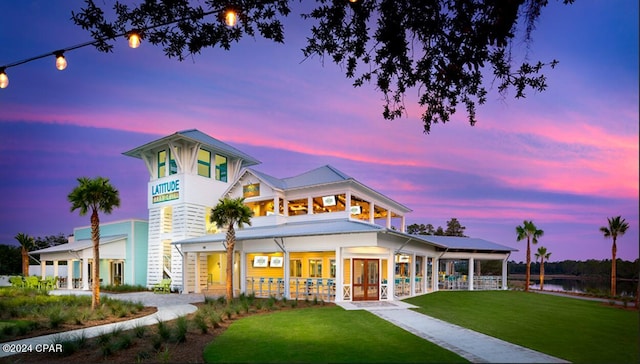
(566, 159)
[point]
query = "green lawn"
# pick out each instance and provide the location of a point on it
(321, 335)
(576, 330)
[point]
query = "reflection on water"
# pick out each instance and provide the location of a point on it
(623, 288)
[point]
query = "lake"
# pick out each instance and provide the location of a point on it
(623, 288)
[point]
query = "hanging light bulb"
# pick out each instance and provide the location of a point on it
(61, 62)
(4, 79)
(231, 17)
(134, 39)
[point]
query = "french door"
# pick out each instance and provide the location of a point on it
(366, 279)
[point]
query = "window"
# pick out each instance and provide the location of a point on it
(359, 208)
(332, 268)
(221, 168)
(315, 268)
(162, 163)
(204, 163)
(329, 203)
(298, 207)
(261, 208)
(295, 268)
(163, 156)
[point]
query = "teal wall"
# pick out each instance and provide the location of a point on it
(136, 249)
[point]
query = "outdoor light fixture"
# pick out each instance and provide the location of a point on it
(61, 62)
(134, 39)
(4, 80)
(231, 17)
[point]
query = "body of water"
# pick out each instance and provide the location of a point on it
(623, 288)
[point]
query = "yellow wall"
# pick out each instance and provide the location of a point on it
(278, 272)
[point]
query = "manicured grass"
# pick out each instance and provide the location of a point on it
(321, 335)
(576, 330)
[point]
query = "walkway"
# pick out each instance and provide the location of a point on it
(170, 307)
(471, 345)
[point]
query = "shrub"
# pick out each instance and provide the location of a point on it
(182, 326)
(164, 331)
(139, 330)
(200, 322)
(56, 317)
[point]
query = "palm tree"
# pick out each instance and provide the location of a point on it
(529, 231)
(617, 227)
(227, 213)
(542, 254)
(94, 195)
(26, 243)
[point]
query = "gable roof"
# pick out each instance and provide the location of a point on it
(79, 245)
(346, 226)
(195, 135)
(464, 243)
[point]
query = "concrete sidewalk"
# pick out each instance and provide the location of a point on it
(170, 307)
(471, 345)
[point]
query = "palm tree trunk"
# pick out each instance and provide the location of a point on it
(542, 273)
(25, 262)
(95, 237)
(528, 273)
(613, 268)
(231, 240)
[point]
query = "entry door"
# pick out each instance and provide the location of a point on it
(366, 282)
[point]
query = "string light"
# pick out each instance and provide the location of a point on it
(134, 39)
(4, 79)
(61, 62)
(231, 17)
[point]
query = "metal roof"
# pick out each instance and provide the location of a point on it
(308, 228)
(321, 175)
(79, 244)
(346, 226)
(200, 137)
(465, 243)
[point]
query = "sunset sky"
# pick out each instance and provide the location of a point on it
(566, 158)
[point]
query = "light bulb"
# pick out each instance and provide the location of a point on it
(4, 79)
(134, 40)
(231, 18)
(61, 62)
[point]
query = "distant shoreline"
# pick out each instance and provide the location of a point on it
(522, 277)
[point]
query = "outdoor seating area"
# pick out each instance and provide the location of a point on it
(34, 282)
(299, 288)
(163, 287)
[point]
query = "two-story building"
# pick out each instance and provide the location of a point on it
(320, 234)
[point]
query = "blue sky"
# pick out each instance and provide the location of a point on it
(566, 158)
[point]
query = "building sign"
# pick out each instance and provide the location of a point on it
(251, 190)
(165, 191)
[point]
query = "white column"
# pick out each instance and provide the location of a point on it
(43, 268)
(55, 268)
(70, 274)
(197, 274)
(372, 215)
(403, 227)
(339, 273)
(287, 275)
(504, 274)
(185, 261)
(391, 271)
(85, 274)
(412, 275)
(309, 205)
(243, 272)
(471, 272)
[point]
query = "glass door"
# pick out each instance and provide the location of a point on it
(366, 279)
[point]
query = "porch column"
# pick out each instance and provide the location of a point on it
(372, 214)
(70, 274)
(339, 273)
(197, 274)
(287, 275)
(243, 272)
(504, 274)
(55, 268)
(435, 275)
(471, 274)
(43, 268)
(85, 274)
(412, 275)
(185, 259)
(391, 273)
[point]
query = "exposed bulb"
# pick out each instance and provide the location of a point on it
(134, 40)
(4, 79)
(231, 18)
(61, 62)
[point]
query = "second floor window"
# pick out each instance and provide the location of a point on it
(204, 163)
